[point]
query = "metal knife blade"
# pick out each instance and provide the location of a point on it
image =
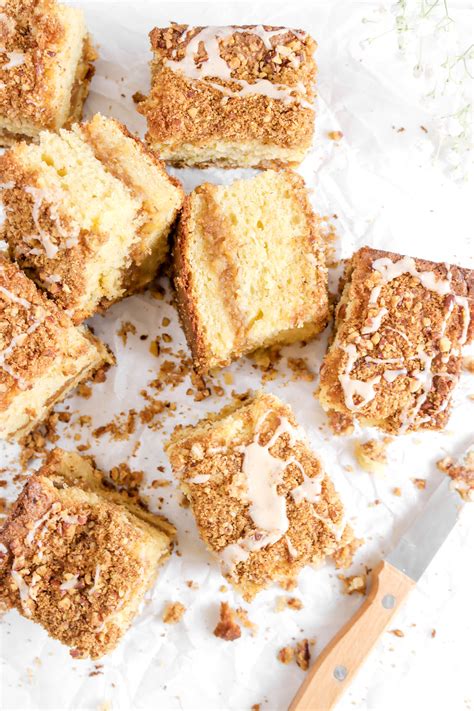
(426, 535)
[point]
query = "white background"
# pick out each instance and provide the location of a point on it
(382, 66)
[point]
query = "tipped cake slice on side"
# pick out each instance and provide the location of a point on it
(249, 268)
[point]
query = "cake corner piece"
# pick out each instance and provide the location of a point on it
(236, 96)
(89, 212)
(261, 499)
(47, 67)
(76, 557)
(400, 326)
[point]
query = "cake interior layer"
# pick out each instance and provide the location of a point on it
(125, 158)
(256, 264)
(229, 154)
(82, 356)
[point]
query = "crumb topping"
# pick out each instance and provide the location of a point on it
(260, 497)
(400, 326)
(231, 81)
(173, 613)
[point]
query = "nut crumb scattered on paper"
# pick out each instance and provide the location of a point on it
(173, 613)
(354, 583)
(227, 628)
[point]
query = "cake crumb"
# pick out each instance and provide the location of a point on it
(433, 633)
(420, 484)
(354, 583)
(301, 369)
(372, 455)
(344, 556)
(126, 328)
(227, 628)
(286, 655)
(243, 616)
(397, 491)
(173, 613)
(461, 474)
(335, 135)
(303, 654)
(282, 602)
(397, 633)
(256, 707)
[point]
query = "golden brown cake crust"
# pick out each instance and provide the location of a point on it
(72, 561)
(209, 460)
(404, 346)
(218, 231)
(182, 109)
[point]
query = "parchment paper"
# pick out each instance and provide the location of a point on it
(393, 79)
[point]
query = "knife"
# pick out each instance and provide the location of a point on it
(392, 580)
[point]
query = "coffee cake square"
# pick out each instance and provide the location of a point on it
(77, 557)
(43, 356)
(238, 96)
(88, 213)
(249, 267)
(399, 330)
(261, 499)
(45, 68)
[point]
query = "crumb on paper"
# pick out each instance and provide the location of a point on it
(397, 633)
(243, 616)
(124, 478)
(372, 455)
(468, 364)
(344, 556)
(138, 97)
(396, 491)
(420, 484)
(335, 135)
(227, 628)
(255, 707)
(126, 327)
(354, 583)
(286, 655)
(84, 391)
(301, 369)
(433, 633)
(173, 613)
(283, 602)
(192, 584)
(303, 654)
(461, 474)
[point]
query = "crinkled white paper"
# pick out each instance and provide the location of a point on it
(386, 71)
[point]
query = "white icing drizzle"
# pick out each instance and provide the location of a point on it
(351, 386)
(309, 490)
(263, 473)
(216, 67)
(391, 375)
(13, 297)
(3, 549)
(373, 323)
(52, 279)
(15, 342)
(94, 587)
(7, 186)
(198, 479)
(15, 59)
(24, 591)
(69, 235)
(32, 533)
(291, 549)
(391, 270)
(70, 584)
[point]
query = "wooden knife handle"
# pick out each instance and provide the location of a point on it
(335, 668)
